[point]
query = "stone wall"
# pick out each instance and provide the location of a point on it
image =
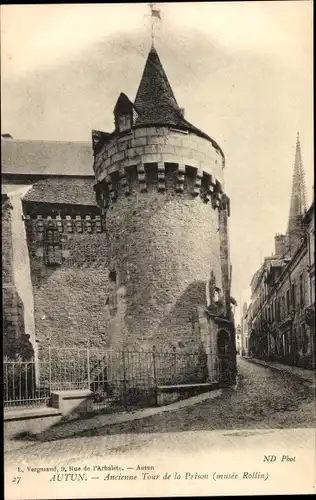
(7, 252)
(11, 317)
(71, 299)
(209, 331)
(162, 249)
(223, 215)
(162, 189)
(153, 144)
(21, 264)
(17, 315)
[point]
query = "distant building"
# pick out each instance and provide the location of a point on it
(282, 299)
(245, 329)
(309, 222)
(238, 339)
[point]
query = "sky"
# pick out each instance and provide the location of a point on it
(242, 71)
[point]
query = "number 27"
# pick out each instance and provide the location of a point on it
(16, 480)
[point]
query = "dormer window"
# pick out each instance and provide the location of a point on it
(124, 122)
(125, 114)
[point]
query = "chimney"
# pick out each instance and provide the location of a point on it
(280, 244)
(182, 112)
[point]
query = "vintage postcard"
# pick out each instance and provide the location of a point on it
(158, 249)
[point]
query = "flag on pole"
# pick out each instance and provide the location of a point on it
(155, 13)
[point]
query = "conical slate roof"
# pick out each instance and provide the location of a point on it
(155, 105)
(155, 101)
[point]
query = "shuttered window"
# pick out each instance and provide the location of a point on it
(52, 247)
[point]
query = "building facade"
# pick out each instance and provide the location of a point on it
(239, 340)
(309, 222)
(280, 298)
(245, 332)
(125, 241)
(281, 301)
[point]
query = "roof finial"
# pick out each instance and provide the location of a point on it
(155, 14)
(298, 137)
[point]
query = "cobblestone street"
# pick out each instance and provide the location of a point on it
(264, 402)
(264, 399)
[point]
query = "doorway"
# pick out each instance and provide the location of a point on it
(225, 358)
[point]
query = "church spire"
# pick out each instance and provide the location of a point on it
(298, 200)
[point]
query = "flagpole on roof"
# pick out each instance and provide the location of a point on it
(154, 14)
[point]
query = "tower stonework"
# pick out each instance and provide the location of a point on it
(160, 183)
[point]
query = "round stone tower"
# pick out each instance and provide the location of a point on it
(160, 182)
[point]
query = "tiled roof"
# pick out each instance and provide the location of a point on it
(32, 157)
(63, 191)
(155, 101)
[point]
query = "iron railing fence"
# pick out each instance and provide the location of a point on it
(19, 385)
(116, 379)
